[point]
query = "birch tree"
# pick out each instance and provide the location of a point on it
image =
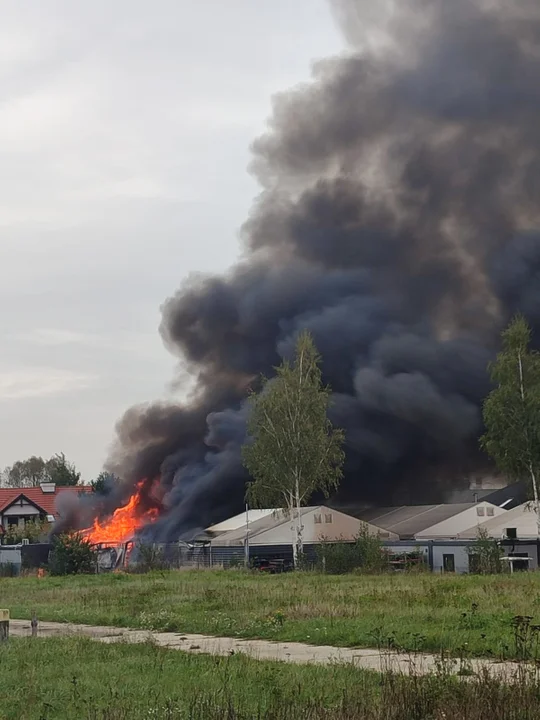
(292, 449)
(512, 409)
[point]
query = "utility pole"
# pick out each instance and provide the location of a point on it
(246, 544)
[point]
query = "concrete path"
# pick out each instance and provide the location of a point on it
(367, 659)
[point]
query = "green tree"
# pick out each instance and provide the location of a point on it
(72, 555)
(512, 409)
(35, 470)
(292, 450)
(61, 472)
(33, 530)
(485, 554)
(104, 483)
(26, 473)
(365, 554)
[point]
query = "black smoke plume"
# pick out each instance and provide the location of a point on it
(400, 198)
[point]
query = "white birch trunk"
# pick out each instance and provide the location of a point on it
(299, 526)
(536, 500)
(531, 469)
(293, 533)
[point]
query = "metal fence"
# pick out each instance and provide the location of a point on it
(184, 555)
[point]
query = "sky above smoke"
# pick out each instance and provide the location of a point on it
(124, 142)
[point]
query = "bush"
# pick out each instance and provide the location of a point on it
(72, 555)
(485, 555)
(33, 530)
(366, 554)
(148, 558)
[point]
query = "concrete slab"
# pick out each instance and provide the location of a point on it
(292, 652)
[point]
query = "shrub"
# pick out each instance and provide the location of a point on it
(72, 555)
(485, 555)
(33, 530)
(148, 558)
(365, 553)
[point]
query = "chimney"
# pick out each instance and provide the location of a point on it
(48, 487)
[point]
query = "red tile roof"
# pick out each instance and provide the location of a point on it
(44, 501)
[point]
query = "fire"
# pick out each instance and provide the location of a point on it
(122, 525)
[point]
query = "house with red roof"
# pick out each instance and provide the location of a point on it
(21, 505)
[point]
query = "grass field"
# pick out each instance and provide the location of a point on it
(428, 612)
(81, 679)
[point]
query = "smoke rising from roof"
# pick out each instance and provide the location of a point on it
(400, 194)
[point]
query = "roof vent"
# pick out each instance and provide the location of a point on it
(48, 487)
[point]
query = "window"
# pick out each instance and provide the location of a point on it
(317, 519)
(490, 512)
(480, 511)
(449, 562)
(328, 518)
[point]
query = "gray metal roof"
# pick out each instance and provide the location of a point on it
(276, 518)
(408, 520)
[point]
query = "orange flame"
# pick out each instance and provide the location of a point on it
(122, 525)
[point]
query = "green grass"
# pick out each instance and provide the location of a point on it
(427, 612)
(81, 679)
(78, 678)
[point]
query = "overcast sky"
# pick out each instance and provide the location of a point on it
(124, 141)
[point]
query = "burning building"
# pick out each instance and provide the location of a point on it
(399, 223)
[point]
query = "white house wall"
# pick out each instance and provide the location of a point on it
(18, 509)
(451, 527)
(26, 510)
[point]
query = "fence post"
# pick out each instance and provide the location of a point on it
(4, 625)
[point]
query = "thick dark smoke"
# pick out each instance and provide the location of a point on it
(401, 194)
